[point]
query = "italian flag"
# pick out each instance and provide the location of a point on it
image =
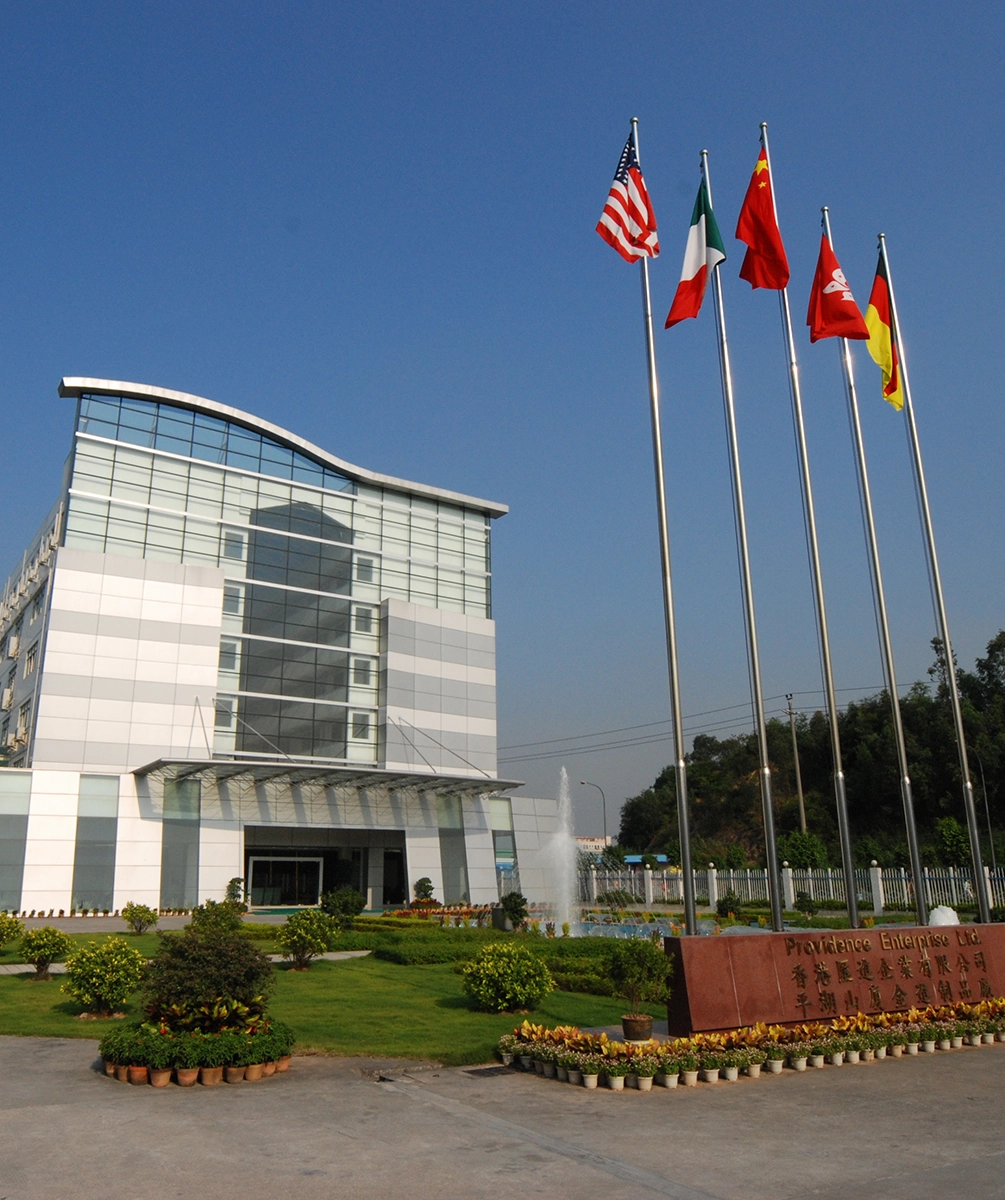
(704, 251)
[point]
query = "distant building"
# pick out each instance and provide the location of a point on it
(228, 653)
(593, 845)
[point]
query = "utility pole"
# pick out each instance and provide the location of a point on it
(795, 758)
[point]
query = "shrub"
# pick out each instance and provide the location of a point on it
(505, 977)
(235, 892)
(805, 904)
(728, 904)
(223, 915)
(42, 947)
(423, 888)
(343, 904)
(10, 929)
(101, 975)
(305, 935)
(640, 972)
(514, 905)
(138, 917)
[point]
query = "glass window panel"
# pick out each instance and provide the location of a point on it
(361, 672)
(364, 620)
(232, 600)
(15, 793)
(98, 796)
(361, 726)
(500, 813)
(276, 459)
(182, 799)
(305, 471)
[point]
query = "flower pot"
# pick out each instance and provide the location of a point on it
(631, 1081)
(881, 1051)
(234, 1074)
(928, 1047)
(911, 1048)
(269, 1069)
(973, 1039)
(754, 1070)
(987, 1039)
(139, 1075)
(160, 1076)
(186, 1076)
(506, 1060)
(667, 1081)
(538, 1066)
(283, 1062)
(689, 1078)
(852, 1056)
(644, 1083)
(868, 1055)
(526, 1061)
(637, 1027)
(548, 1070)
(561, 1074)
(110, 1069)
(798, 1064)
(837, 1059)
(616, 1083)
(896, 1050)
(957, 1042)
(253, 1072)
(210, 1076)
(709, 1074)
(944, 1044)
(122, 1073)
(816, 1060)
(590, 1081)
(731, 1074)
(1001, 1035)
(774, 1066)
(575, 1077)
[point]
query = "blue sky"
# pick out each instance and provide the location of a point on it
(373, 224)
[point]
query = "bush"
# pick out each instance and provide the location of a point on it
(10, 929)
(728, 904)
(805, 904)
(640, 972)
(42, 947)
(514, 905)
(102, 974)
(138, 917)
(802, 850)
(305, 935)
(423, 888)
(506, 977)
(224, 915)
(343, 904)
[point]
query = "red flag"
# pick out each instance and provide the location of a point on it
(833, 311)
(765, 264)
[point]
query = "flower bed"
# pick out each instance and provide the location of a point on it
(156, 1055)
(568, 1054)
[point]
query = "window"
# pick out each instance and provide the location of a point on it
(364, 620)
(224, 713)
(23, 719)
(361, 672)
(361, 726)
(228, 656)
(30, 658)
(364, 570)
(5, 731)
(11, 676)
(232, 600)
(97, 831)
(233, 545)
(36, 605)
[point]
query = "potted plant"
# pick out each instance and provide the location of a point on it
(644, 1068)
(639, 971)
(815, 1058)
(774, 1058)
(506, 1049)
(187, 1057)
(709, 1065)
(929, 1039)
(589, 1065)
(897, 1042)
(732, 1061)
(688, 1064)
(913, 1038)
(668, 1071)
(798, 1053)
(852, 1050)
(214, 1055)
(755, 1060)
(615, 1069)
(160, 1053)
(568, 1068)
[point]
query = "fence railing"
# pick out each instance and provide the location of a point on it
(877, 888)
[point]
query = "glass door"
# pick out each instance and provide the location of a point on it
(285, 882)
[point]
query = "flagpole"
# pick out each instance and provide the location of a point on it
(754, 662)
(680, 766)
(886, 645)
(940, 603)
(813, 546)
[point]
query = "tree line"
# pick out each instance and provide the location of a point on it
(725, 804)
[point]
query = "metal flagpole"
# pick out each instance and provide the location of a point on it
(680, 767)
(886, 645)
(764, 768)
(940, 605)
(813, 546)
(791, 714)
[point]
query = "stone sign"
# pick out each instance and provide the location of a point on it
(724, 981)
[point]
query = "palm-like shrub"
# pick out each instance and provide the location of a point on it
(305, 935)
(505, 977)
(138, 917)
(102, 974)
(42, 947)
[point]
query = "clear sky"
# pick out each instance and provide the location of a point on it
(373, 224)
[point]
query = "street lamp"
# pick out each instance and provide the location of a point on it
(586, 783)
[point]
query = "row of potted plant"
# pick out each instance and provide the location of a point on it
(147, 1054)
(567, 1054)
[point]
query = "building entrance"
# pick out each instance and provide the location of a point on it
(285, 881)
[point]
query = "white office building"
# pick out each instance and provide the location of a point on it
(230, 654)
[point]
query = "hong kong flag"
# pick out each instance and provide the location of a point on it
(833, 311)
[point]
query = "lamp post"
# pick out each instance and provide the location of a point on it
(586, 783)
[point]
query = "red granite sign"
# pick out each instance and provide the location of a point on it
(724, 981)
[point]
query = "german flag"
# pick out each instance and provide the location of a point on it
(881, 344)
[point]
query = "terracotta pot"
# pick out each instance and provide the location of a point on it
(122, 1074)
(110, 1069)
(637, 1028)
(160, 1076)
(270, 1069)
(253, 1072)
(210, 1076)
(138, 1075)
(234, 1074)
(283, 1063)
(186, 1076)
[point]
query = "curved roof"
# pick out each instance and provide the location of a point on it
(76, 385)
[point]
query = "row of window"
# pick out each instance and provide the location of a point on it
(264, 725)
(289, 669)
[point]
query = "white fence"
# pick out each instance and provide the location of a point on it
(877, 888)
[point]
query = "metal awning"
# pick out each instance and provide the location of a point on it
(252, 772)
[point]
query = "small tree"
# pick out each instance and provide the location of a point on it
(952, 842)
(138, 917)
(305, 935)
(803, 850)
(640, 972)
(42, 947)
(102, 974)
(514, 905)
(235, 890)
(506, 977)
(343, 904)
(10, 929)
(423, 889)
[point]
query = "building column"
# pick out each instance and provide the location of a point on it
(876, 884)
(788, 887)
(375, 877)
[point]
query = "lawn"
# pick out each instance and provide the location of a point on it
(146, 943)
(355, 1007)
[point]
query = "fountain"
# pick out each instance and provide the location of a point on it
(563, 860)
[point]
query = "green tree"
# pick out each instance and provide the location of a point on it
(952, 842)
(101, 975)
(305, 935)
(201, 966)
(640, 972)
(804, 850)
(138, 917)
(506, 977)
(42, 947)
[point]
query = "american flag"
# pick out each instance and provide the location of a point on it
(628, 222)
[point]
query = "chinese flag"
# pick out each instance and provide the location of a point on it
(765, 264)
(833, 311)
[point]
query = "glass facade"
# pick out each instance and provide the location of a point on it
(453, 853)
(308, 555)
(15, 796)
(180, 843)
(94, 851)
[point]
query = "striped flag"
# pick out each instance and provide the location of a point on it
(704, 251)
(881, 344)
(628, 222)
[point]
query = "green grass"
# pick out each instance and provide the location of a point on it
(146, 943)
(356, 1007)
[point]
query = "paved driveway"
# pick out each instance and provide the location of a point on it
(908, 1129)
